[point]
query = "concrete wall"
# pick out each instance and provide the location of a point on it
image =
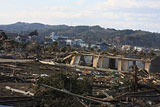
(140, 64)
(88, 60)
(105, 63)
(130, 63)
(75, 60)
(147, 67)
(125, 65)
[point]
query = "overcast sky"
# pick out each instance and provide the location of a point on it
(118, 14)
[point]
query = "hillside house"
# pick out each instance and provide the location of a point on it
(99, 45)
(22, 39)
(35, 38)
(78, 42)
(12, 35)
(69, 42)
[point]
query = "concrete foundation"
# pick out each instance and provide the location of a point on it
(105, 63)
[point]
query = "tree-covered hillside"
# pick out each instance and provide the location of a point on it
(90, 34)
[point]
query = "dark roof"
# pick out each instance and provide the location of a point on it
(100, 43)
(23, 36)
(11, 34)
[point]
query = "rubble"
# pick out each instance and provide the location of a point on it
(135, 87)
(112, 84)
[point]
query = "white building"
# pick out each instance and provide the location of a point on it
(52, 35)
(69, 42)
(78, 41)
(84, 45)
(55, 37)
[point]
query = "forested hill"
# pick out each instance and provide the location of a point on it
(90, 34)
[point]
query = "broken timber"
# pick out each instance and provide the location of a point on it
(81, 67)
(79, 96)
(145, 95)
(28, 93)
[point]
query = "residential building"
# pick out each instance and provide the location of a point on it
(78, 42)
(55, 37)
(34, 38)
(12, 35)
(99, 45)
(102, 45)
(61, 40)
(84, 45)
(69, 42)
(52, 35)
(22, 39)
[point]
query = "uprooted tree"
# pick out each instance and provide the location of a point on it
(68, 82)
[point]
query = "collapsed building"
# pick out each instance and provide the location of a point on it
(132, 87)
(119, 62)
(120, 80)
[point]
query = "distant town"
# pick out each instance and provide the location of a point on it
(75, 43)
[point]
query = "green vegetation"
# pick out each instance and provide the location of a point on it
(33, 33)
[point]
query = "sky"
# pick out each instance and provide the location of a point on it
(118, 14)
